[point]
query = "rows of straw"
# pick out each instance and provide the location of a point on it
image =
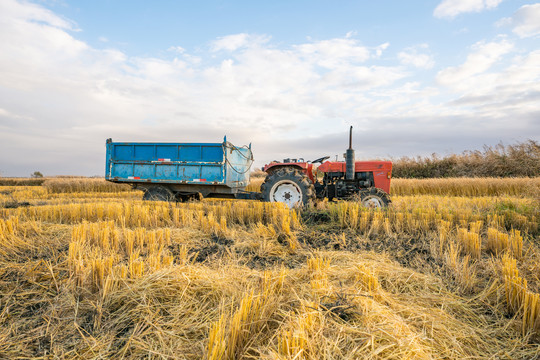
(418, 215)
(519, 298)
(430, 278)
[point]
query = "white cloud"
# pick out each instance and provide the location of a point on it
(416, 56)
(484, 55)
(237, 41)
(330, 53)
(177, 49)
(509, 97)
(82, 95)
(379, 49)
(525, 21)
(282, 98)
(337, 52)
(452, 8)
(29, 12)
(6, 114)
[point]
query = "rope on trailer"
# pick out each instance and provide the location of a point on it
(235, 148)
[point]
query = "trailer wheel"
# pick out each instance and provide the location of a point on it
(189, 197)
(289, 186)
(158, 193)
(374, 198)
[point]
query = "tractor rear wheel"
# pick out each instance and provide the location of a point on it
(374, 198)
(158, 193)
(289, 186)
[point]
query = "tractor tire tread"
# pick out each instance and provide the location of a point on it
(302, 180)
(376, 192)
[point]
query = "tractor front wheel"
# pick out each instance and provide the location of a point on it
(374, 198)
(289, 186)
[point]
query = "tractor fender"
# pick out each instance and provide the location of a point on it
(306, 168)
(270, 168)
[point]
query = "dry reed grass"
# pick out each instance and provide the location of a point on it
(467, 187)
(431, 277)
(21, 181)
(255, 184)
(521, 159)
(71, 185)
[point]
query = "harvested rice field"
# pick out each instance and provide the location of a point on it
(451, 270)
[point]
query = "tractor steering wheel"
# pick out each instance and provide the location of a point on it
(320, 160)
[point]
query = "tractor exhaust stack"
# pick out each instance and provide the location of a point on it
(349, 159)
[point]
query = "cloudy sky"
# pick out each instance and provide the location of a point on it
(412, 77)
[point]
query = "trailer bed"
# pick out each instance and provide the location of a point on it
(185, 167)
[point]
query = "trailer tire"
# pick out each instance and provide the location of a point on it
(289, 186)
(158, 193)
(183, 197)
(374, 198)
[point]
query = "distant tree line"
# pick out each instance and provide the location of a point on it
(521, 159)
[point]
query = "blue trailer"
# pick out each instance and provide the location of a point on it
(169, 171)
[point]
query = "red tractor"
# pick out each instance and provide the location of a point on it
(295, 183)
